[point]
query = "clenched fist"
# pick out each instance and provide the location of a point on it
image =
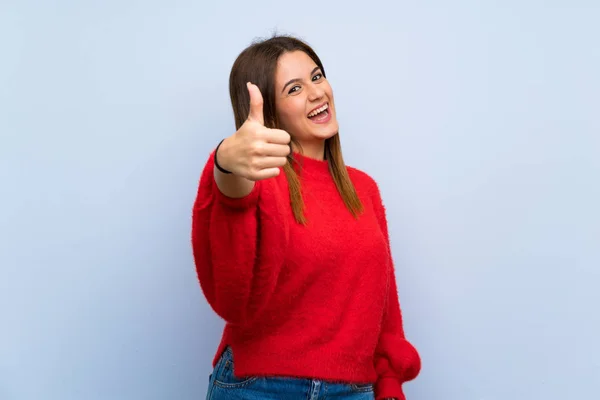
(255, 152)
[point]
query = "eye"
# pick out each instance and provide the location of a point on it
(294, 89)
(317, 77)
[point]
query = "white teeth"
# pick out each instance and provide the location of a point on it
(318, 110)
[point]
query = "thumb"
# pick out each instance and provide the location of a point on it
(256, 104)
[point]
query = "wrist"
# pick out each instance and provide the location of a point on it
(220, 164)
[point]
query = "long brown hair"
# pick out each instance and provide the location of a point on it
(257, 64)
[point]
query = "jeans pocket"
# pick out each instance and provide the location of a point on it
(226, 378)
(362, 387)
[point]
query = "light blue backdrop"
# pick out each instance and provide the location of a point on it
(479, 120)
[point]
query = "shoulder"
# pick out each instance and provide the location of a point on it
(364, 182)
(360, 176)
(368, 190)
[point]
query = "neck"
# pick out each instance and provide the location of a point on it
(315, 150)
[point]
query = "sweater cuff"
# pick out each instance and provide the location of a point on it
(241, 203)
(389, 387)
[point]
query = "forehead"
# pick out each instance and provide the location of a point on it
(292, 65)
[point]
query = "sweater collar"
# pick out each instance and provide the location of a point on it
(312, 167)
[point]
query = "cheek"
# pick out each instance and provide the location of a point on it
(291, 112)
(329, 91)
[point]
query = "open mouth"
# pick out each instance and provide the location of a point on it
(320, 114)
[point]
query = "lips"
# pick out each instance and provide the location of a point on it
(317, 110)
(322, 117)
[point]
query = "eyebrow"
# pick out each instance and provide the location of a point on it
(298, 79)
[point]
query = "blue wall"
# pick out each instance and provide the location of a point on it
(479, 120)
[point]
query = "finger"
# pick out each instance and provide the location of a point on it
(270, 162)
(277, 136)
(256, 104)
(275, 150)
(265, 174)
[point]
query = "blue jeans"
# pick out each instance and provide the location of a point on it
(223, 385)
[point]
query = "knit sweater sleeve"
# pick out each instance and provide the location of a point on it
(396, 359)
(238, 246)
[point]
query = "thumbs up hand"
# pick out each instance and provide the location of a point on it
(255, 152)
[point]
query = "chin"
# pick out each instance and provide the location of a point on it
(311, 131)
(327, 135)
(325, 132)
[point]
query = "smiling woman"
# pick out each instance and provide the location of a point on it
(305, 104)
(297, 263)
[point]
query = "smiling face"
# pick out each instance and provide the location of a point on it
(304, 100)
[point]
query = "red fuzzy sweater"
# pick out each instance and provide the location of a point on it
(316, 301)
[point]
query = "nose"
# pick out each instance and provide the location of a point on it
(315, 92)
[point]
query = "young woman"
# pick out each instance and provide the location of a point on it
(291, 246)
